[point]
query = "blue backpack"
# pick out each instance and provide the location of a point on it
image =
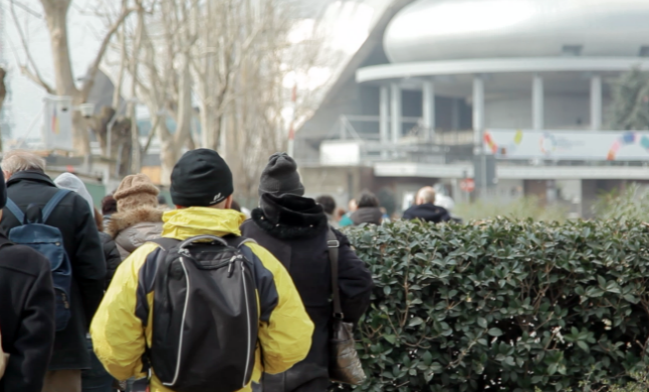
(47, 240)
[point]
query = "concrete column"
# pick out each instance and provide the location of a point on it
(538, 111)
(428, 108)
(478, 109)
(384, 115)
(596, 102)
(395, 109)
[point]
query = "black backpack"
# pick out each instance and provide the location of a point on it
(205, 318)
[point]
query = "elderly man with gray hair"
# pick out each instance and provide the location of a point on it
(31, 189)
(425, 208)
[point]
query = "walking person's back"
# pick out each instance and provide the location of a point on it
(26, 313)
(294, 229)
(201, 240)
(138, 218)
(31, 189)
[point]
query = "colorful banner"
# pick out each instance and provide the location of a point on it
(568, 145)
(57, 122)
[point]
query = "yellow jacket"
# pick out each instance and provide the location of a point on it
(119, 337)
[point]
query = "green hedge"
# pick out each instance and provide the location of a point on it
(504, 305)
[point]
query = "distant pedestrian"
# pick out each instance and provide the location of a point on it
(138, 218)
(296, 230)
(108, 208)
(329, 206)
(95, 379)
(425, 208)
(73, 183)
(111, 253)
(240, 315)
(26, 314)
(368, 211)
(346, 219)
(31, 189)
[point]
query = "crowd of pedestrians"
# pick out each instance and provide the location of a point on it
(191, 298)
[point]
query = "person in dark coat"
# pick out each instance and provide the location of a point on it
(108, 208)
(425, 208)
(28, 185)
(368, 211)
(111, 253)
(294, 229)
(26, 313)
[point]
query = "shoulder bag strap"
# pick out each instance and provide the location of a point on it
(54, 201)
(334, 244)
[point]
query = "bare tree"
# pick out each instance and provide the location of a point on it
(56, 18)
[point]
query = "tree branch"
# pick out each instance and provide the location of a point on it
(24, 68)
(92, 72)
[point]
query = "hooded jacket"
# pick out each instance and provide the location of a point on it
(118, 335)
(428, 213)
(132, 228)
(73, 183)
(294, 229)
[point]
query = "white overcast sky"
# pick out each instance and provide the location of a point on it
(349, 27)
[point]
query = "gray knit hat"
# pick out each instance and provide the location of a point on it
(280, 177)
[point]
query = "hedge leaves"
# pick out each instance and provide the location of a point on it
(504, 305)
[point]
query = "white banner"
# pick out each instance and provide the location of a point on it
(568, 145)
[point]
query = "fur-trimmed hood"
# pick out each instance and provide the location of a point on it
(133, 228)
(289, 216)
(120, 221)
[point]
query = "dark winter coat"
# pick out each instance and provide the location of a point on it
(26, 316)
(371, 215)
(294, 230)
(81, 240)
(111, 254)
(428, 213)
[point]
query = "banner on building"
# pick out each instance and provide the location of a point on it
(57, 122)
(568, 145)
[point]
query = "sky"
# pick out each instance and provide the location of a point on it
(348, 25)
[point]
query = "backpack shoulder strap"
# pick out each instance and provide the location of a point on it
(54, 201)
(165, 243)
(333, 244)
(15, 210)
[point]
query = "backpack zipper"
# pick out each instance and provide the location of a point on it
(245, 293)
(182, 326)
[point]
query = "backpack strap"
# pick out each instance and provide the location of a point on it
(165, 243)
(54, 201)
(15, 210)
(334, 244)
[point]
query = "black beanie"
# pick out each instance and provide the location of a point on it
(280, 176)
(3, 191)
(201, 178)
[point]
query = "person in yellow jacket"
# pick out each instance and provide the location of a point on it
(201, 186)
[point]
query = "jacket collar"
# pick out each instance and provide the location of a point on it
(190, 222)
(125, 219)
(30, 175)
(289, 216)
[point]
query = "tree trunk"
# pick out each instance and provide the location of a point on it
(56, 13)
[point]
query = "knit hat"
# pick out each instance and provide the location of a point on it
(201, 178)
(280, 176)
(136, 191)
(3, 190)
